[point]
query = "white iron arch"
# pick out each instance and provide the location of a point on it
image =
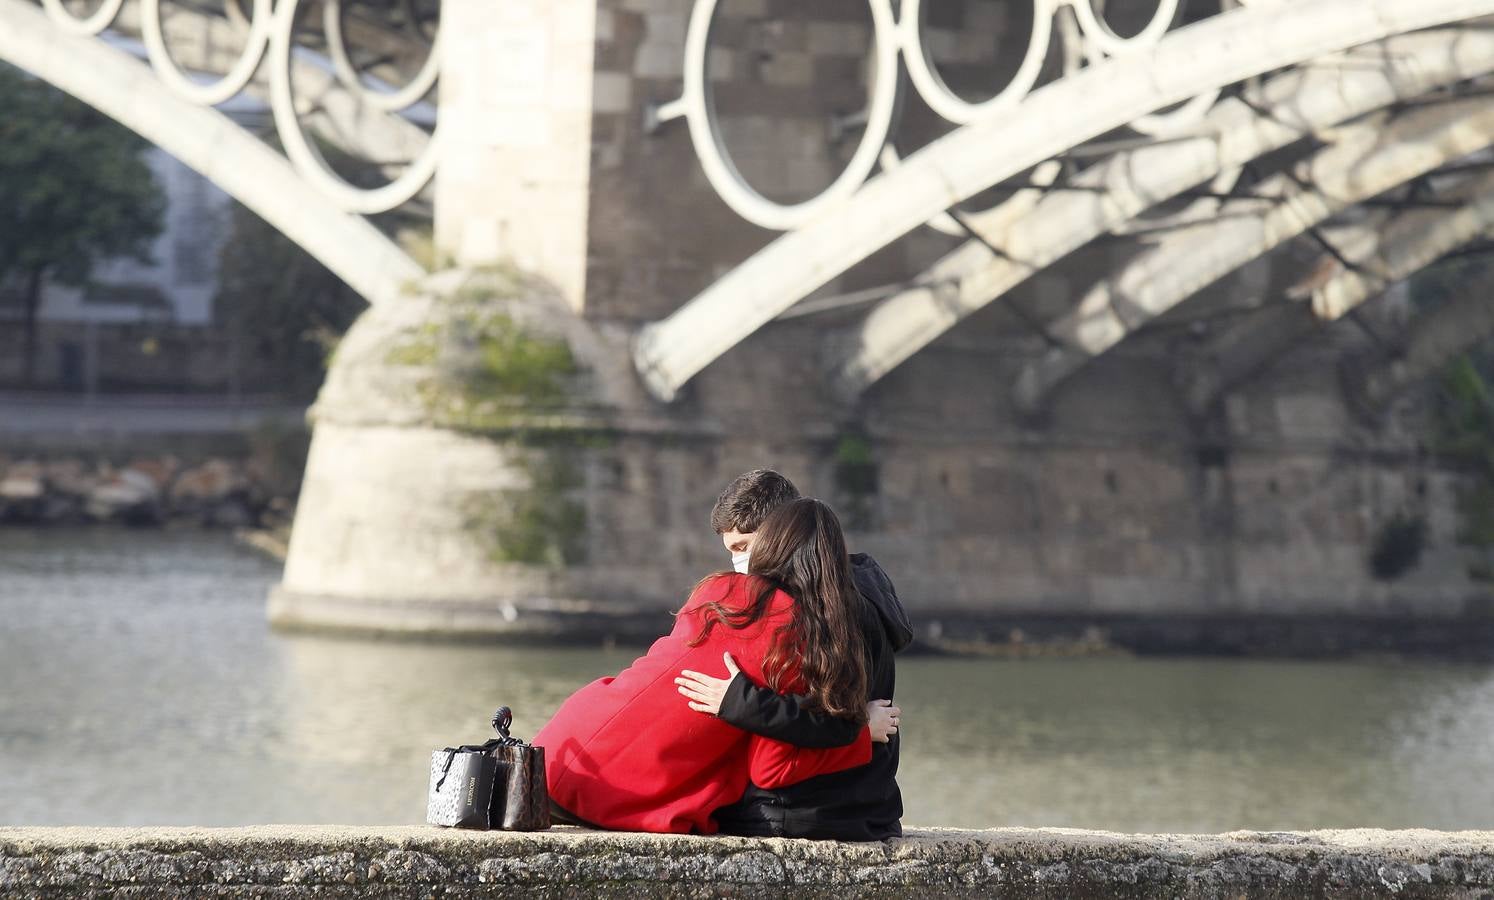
(347, 118)
(207, 141)
(1364, 160)
(1383, 255)
(1217, 51)
(1287, 107)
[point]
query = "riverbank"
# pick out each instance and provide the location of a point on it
(164, 490)
(332, 861)
(147, 460)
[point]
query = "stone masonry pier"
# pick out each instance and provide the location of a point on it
(333, 861)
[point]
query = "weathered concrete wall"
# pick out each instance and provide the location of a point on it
(515, 112)
(1117, 502)
(1115, 509)
(326, 861)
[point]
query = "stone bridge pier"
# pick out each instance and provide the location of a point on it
(1002, 405)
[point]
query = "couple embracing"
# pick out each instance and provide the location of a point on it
(799, 739)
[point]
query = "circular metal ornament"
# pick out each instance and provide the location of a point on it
(949, 105)
(347, 73)
(304, 155)
(210, 93)
(91, 25)
(1157, 124)
(1098, 33)
(745, 200)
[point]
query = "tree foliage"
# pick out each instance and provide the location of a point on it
(74, 189)
(287, 308)
(1465, 434)
(1463, 405)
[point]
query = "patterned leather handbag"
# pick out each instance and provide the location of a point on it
(497, 784)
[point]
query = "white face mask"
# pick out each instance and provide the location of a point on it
(739, 561)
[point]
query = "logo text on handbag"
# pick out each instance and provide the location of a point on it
(471, 789)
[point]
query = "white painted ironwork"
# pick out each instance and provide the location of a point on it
(121, 87)
(1415, 241)
(268, 30)
(1215, 52)
(93, 24)
(1382, 255)
(392, 101)
(213, 93)
(1363, 161)
(896, 35)
(304, 154)
(696, 105)
(1042, 176)
(336, 114)
(1106, 196)
(932, 89)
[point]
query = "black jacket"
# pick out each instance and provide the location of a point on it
(860, 804)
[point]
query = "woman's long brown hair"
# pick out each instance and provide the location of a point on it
(801, 551)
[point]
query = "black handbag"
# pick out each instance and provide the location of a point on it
(496, 784)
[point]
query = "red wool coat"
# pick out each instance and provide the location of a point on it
(626, 752)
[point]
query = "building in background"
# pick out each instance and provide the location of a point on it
(141, 327)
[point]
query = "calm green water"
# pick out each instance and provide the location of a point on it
(139, 684)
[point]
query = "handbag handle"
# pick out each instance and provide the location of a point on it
(503, 717)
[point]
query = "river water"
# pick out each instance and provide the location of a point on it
(139, 684)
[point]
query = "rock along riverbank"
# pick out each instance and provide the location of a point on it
(338, 862)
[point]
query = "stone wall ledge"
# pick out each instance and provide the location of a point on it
(338, 862)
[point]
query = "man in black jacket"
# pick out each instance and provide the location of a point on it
(860, 804)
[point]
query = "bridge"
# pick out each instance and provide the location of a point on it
(1078, 308)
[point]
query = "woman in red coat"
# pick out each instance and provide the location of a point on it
(624, 753)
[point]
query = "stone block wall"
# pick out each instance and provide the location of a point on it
(1116, 507)
(782, 74)
(1116, 503)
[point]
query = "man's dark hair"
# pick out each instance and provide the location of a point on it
(801, 551)
(748, 500)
